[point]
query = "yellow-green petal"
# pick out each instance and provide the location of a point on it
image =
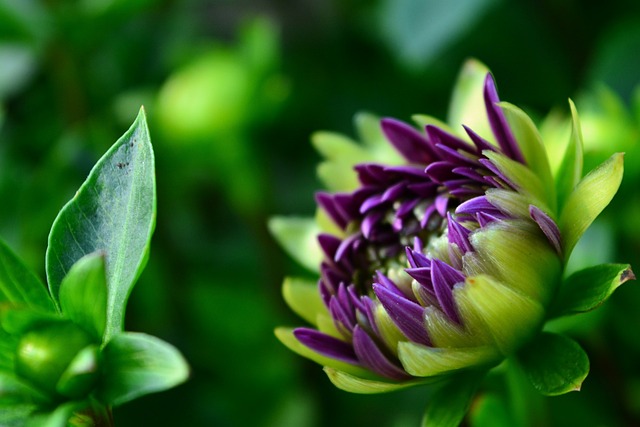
(592, 194)
(467, 103)
(533, 150)
(506, 249)
(298, 237)
(508, 316)
(303, 298)
(286, 337)
(355, 384)
(422, 361)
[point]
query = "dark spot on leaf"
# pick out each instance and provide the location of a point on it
(627, 275)
(121, 165)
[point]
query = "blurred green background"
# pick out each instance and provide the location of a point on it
(233, 90)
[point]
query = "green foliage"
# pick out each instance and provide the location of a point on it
(55, 362)
(554, 364)
(114, 212)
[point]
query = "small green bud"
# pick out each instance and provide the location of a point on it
(44, 354)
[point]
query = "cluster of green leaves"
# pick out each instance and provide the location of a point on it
(65, 357)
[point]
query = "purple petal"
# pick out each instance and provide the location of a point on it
(426, 189)
(468, 172)
(484, 218)
(421, 274)
(440, 171)
(416, 259)
(481, 143)
(345, 246)
(326, 202)
(388, 284)
(472, 206)
(456, 157)
(409, 142)
(344, 321)
(498, 122)
(405, 171)
(326, 345)
(458, 234)
(372, 202)
(439, 136)
(329, 244)
(407, 315)
(444, 277)
(407, 207)
(441, 203)
(369, 222)
(548, 227)
(372, 357)
(371, 174)
(494, 169)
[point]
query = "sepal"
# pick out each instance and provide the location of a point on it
(587, 289)
(555, 364)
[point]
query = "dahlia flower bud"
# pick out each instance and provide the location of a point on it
(452, 260)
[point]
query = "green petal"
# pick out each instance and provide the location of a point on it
(135, 364)
(570, 170)
(286, 337)
(589, 198)
(587, 289)
(445, 333)
(303, 298)
(19, 285)
(525, 180)
(389, 332)
(422, 361)
(507, 315)
(299, 238)
(354, 384)
(533, 150)
(449, 404)
(514, 204)
(467, 105)
(554, 364)
(83, 294)
(518, 255)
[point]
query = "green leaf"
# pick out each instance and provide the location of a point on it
(449, 404)
(135, 364)
(554, 364)
(18, 321)
(59, 417)
(592, 194)
(15, 415)
(83, 294)
(19, 285)
(299, 237)
(490, 411)
(14, 390)
(114, 212)
(587, 289)
(570, 170)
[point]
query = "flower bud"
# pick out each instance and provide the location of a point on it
(44, 354)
